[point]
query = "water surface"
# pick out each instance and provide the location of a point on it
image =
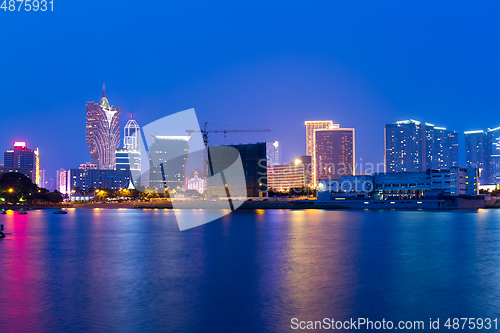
(251, 271)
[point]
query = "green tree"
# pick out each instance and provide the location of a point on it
(15, 186)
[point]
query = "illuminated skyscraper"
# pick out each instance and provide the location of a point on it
(476, 153)
(494, 160)
(103, 132)
(61, 181)
(273, 153)
(131, 135)
(129, 158)
(482, 151)
(441, 148)
(334, 153)
(414, 146)
(311, 126)
(23, 160)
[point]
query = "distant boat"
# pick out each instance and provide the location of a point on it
(61, 212)
(22, 212)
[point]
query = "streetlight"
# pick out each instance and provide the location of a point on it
(11, 190)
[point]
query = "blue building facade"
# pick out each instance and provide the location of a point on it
(85, 180)
(412, 146)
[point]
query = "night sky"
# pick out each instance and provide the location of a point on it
(256, 64)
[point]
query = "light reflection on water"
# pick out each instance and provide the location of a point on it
(131, 270)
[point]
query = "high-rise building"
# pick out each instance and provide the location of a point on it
(334, 153)
(24, 160)
(444, 152)
(254, 161)
(311, 126)
(482, 151)
(168, 159)
(477, 147)
(103, 132)
(273, 153)
(131, 135)
(43, 182)
(129, 158)
(61, 181)
(414, 146)
(494, 160)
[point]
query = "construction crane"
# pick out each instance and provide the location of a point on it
(205, 132)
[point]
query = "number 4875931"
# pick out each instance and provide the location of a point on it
(27, 5)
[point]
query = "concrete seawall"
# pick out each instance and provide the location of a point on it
(448, 203)
(429, 204)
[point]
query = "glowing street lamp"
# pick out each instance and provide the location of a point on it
(11, 190)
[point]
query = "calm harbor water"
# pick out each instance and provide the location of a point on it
(251, 271)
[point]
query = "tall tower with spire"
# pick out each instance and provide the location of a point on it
(103, 132)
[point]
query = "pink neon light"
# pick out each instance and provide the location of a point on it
(19, 144)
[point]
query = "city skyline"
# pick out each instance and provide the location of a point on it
(355, 69)
(249, 166)
(441, 144)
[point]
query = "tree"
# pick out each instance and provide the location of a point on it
(15, 186)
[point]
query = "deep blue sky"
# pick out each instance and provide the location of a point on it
(257, 64)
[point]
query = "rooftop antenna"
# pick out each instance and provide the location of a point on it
(104, 90)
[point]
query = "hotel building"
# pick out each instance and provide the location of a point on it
(334, 153)
(103, 132)
(414, 146)
(311, 126)
(296, 174)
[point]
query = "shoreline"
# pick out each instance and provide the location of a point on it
(178, 205)
(212, 205)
